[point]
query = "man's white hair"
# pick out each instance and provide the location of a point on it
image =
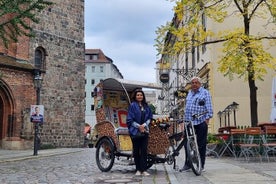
(197, 78)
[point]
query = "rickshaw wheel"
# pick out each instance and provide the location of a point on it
(105, 155)
(194, 157)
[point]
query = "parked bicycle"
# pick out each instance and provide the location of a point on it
(192, 147)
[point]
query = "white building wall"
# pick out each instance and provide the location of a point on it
(224, 91)
(103, 69)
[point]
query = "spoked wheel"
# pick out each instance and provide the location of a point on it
(179, 159)
(194, 156)
(105, 155)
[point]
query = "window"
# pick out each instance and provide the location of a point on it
(92, 81)
(101, 69)
(204, 25)
(39, 58)
(93, 69)
(92, 107)
(92, 94)
(93, 57)
(197, 53)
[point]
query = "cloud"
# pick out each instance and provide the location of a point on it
(125, 31)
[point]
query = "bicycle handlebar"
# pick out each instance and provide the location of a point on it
(195, 116)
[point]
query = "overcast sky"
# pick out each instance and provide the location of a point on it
(125, 31)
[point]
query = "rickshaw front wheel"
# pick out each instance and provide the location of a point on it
(105, 154)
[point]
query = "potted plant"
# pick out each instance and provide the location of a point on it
(213, 145)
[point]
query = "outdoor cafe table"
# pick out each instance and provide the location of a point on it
(263, 125)
(226, 144)
(226, 129)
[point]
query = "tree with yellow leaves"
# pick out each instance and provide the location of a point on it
(244, 54)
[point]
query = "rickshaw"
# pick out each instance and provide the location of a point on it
(111, 99)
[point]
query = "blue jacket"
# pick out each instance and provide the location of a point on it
(134, 117)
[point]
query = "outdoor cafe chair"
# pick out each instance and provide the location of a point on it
(269, 142)
(236, 138)
(251, 143)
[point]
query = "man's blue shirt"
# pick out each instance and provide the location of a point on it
(198, 102)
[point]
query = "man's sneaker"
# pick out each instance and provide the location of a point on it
(203, 170)
(185, 168)
(138, 173)
(145, 173)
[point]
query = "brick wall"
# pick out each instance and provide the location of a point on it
(22, 95)
(61, 33)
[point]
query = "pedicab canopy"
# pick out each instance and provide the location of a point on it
(112, 97)
(112, 84)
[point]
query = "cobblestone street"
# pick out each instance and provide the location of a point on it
(79, 167)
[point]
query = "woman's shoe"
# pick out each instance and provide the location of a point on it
(145, 173)
(138, 173)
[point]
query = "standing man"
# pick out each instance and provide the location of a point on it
(198, 101)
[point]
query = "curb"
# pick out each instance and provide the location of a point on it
(170, 171)
(24, 155)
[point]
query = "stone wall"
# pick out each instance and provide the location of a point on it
(61, 34)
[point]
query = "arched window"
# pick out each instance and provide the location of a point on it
(39, 61)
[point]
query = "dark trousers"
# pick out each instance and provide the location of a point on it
(201, 131)
(140, 151)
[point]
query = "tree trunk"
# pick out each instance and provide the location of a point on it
(251, 72)
(253, 102)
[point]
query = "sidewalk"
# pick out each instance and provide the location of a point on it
(227, 170)
(14, 155)
(218, 171)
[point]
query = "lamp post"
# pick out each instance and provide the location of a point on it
(37, 85)
(228, 111)
(234, 106)
(224, 113)
(219, 115)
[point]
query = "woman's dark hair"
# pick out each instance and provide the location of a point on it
(144, 102)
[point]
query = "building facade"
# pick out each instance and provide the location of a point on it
(56, 54)
(97, 67)
(202, 61)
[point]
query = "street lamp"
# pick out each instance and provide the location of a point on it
(219, 115)
(37, 85)
(228, 111)
(234, 107)
(224, 113)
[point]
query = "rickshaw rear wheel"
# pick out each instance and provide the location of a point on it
(105, 154)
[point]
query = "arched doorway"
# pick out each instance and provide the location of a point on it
(6, 112)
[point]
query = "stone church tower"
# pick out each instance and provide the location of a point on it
(56, 53)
